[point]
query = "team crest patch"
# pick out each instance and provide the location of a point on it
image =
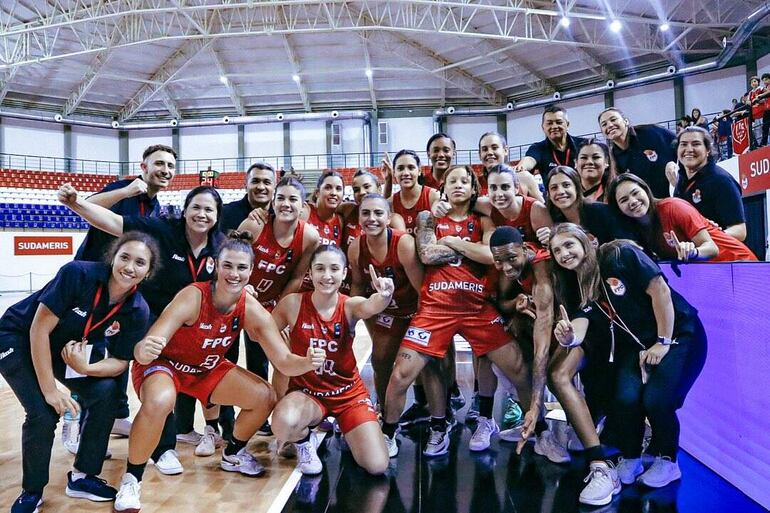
(651, 155)
(209, 265)
(458, 228)
(745, 182)
(418, 336)
(113, 329)
(236, 323)
(697, 197)
(223, 328)
(616, 286)
(386, 321)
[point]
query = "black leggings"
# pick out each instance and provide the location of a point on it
(658, 400)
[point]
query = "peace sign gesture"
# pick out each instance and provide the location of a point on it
(685, 250)
(564, 331)
(383, 286)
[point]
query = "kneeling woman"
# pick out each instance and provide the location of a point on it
(80, 329)
(656, 340)
(184, 352)
(324, 318)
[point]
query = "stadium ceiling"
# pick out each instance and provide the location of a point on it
(185, 59)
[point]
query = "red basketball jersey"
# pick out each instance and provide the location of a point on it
(404, 301)
(199, 348)
(330, 231)
(523, 221)
(274, 264)
(352, 229)
(457, 287)
(339, 373)
(410, 214)
(428, 180)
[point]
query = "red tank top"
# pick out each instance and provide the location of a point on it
(428, 180)
(352, 229)
(410, 214)
(339, 373)
(461, 286)
(199, 348)
(274, 264)
(523, 221)
(404, 301)
(330, 231)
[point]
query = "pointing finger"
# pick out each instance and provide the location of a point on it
(563, 312)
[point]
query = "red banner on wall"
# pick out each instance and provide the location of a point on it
(754, 171)
(740, 131)
(42, 245)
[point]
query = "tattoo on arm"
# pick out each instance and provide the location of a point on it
(405, 356)
(428, 250)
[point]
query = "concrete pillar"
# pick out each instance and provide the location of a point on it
(679, 105)
(240, 165)
(123, 157)
(68, 149)
(287, 146)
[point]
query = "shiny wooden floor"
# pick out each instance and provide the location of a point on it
(201, 488)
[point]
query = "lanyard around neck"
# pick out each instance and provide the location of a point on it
(91, 327)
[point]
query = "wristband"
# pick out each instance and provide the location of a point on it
(666, 341)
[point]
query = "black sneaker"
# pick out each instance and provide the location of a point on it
(457, 400)
(414, 414)
(91, 488)
(265, 430)
(27, 502)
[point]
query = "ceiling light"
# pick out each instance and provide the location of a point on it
(665, 27)
(564, 22)
(295, 77)
(615, 26)
(368, 72)
(223, 79)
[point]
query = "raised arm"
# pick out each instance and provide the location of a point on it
(529, 185)
(108, 198)
(428, 249)
(97, 216)
(183, 310)
(363, 308)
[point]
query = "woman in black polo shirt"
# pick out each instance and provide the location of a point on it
(79, 329)
(644, 150)
(705, 185)
(657, 342)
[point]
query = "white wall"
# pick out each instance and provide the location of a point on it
(139, 140)
(209, 142)
(466, 132)
(41, 268)
(583, 113)
(308, 138)
(95, 144)
(353, 142)
(763, 66)
(524, 128)
(712, 92)
(262, 141)
(408, 134)
(648, 103)
(24, 137)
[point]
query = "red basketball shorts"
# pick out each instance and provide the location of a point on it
(198, 385)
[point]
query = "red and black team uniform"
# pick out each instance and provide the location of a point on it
(410, 214)
(681, 217)
(274, 264)
(195, 355)
(351, 228)
(428, 180)
(455, 299)
(330, 231)
(336, 386)
(522, 222)
(397, 316)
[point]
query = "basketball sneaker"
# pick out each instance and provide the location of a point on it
(414, 414)
(392, 445)
(242, 462)
(209, 443)
(473, 410)
(629, 470)
(192, 438)
(169, 463)
(127, 500)
(309, 463)
(121, 427)
(91, 488)
(438, 443)
(662, 472)
(27, 502)
(482, 436)
(547, 445)
(603, 484)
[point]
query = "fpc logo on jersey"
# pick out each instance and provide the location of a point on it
(418, 336)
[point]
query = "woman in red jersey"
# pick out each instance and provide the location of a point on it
(392, 253)
(184, 352)
(671, 227)
(413, 197)
(323, 213)
(493, 152)
(324, 318)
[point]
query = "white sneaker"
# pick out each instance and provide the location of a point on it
(603, 483)
(121, 427)
(169, 463)
(209, 443)
(127, 499)
(438, 443)
(192, 438)
(287, 450)
(481, 438)
(309, 463)
(629, 470)
(392, 445)
(662, 472)
(70, 435)
(242, 462)
(547, 445)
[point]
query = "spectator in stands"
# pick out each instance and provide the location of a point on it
(724, 134)
(644, 150)
(130, 197)
(683, 123)
(757, 107)
(764, 102)
(671, 228)
(698, 119)
(558, 148)
(705, 185)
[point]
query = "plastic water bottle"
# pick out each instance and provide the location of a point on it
(70, 433)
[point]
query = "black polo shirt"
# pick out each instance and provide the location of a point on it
(234, 213)
(625, 277)
(548, 157)
(714, 193)
(94, 245)
(603, 223)
(650, 149)
(70, 296)
(178, 266)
